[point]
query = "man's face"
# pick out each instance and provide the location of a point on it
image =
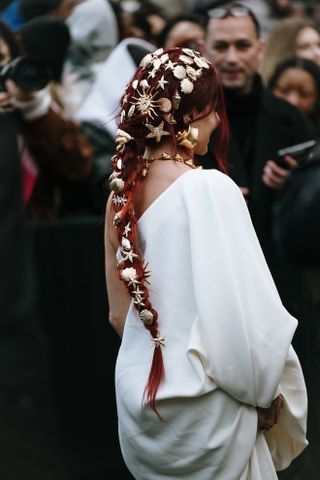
(235, 50)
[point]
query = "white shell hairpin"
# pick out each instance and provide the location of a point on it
(186, 86)
(125, 243)
(201, 62)
(189, 52)
(192, 73)
(157, 63)
(176, 100)
(117, 219)
(158, 52)
(122, 138)
(147, 317)
(116, 184)
(144, 84)
(186, 59)
(165, 105)
(129, 274)
(164, 58)
(179, 72)
(131, 111)
(119, 164)
(146, 61)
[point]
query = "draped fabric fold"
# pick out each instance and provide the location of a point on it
(227, 340)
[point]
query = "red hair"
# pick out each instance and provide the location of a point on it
(128, 162)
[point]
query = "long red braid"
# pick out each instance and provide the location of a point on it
(157, 89)
(126, 222)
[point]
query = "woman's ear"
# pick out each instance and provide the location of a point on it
(188, 118)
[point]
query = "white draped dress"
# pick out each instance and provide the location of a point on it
(227, 345)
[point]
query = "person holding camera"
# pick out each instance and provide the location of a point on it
(53, 150)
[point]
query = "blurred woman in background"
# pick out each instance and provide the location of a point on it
(294, 36)
(297, 80)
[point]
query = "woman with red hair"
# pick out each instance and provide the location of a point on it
(206, 370)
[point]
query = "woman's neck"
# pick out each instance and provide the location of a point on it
(157, 151)
(167, 151)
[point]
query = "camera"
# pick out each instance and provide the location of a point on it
(28, 73)
(299, 152)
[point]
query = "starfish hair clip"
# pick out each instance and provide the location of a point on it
(157, 132)
(158, 341)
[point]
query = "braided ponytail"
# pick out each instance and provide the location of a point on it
(133, 270)
(153, 106)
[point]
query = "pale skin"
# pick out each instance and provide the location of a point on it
(233, 45)
(160, 176)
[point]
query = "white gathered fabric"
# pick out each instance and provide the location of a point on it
(93, 26)
(228, 344)
(102, 103)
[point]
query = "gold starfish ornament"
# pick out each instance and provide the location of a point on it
(158, 341)
(157, 132)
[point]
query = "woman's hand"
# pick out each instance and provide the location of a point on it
(268, 417)
(274, 176)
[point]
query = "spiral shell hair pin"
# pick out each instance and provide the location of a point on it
(122, 138)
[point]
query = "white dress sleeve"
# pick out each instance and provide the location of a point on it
(242, 333)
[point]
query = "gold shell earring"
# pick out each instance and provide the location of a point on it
(188, 137)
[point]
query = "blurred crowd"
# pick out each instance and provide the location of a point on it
(63, 67)
(65, 63)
